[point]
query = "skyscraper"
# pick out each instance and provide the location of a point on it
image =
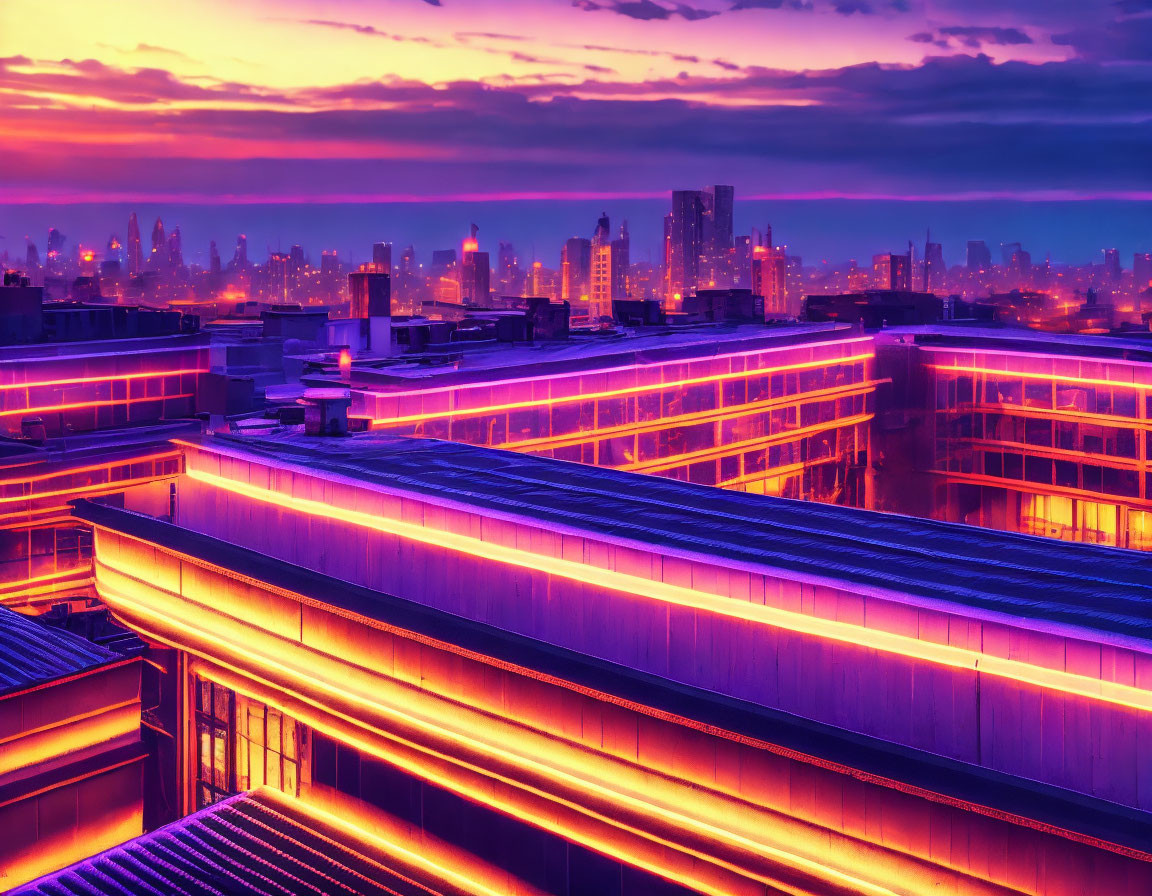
(159, 253)
(934, 269)
(175, 249)
(742, 263)
(382, 256)
(240, 257)
(1112, 271)
(892, 271)
(475, 271)
(213, 259)
(685, 234)
(135, 251)
(576, 272)
(716, 236)
(600, 291)
(979, 256)
(621, 262)
(770, 280)
(278, 277)
(1142, 270)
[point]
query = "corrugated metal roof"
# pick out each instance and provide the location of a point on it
(32, 653)
(1108, 589)
(246, 845)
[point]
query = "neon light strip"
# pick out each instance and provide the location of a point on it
(1054, 377)
(98, 488)
(484, 796)
(85, 571)
(485, 384)
(101, 379)
(385, 422)
(835, 630)
(719, 415)
(727, 450)
(56, 408)
(1061, 414)
(106, 465)
(1040, 488)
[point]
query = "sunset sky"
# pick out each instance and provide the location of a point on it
(301, 100)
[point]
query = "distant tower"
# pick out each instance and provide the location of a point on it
(175, 249)
(213, 258)
(382, 256)
(684, 243)
(240, 258)
(159, 247)
(475, 271)
(135, 252)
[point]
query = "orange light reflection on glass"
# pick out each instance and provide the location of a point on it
(73, 406)
(835, 630)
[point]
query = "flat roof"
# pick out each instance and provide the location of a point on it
(246, 845)
(1132, 347)
(1099, 588)
(802, 739)
(493, 360)
(32, 653)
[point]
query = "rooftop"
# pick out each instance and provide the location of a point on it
(219, 849)
(1099, 588)
(1129, 346)
(492, 361)
(32, 653)
(803, 740)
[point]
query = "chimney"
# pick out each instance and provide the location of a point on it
(326, 412)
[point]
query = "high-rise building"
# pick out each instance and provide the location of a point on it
(159, 253)
(1142, 270)
(1112, 270)
(600, 278)
(979, 256)
(509, 274)
(684, 243)
(175, 249)
(382, 256)
(135, 251)
(475, 272)
(934, 269)
(1007, 250)
(278, 276)
(1020, 267)
(330, 275)
(240, 257)
(213, 259)
(54, 259)
(742, 263)
(892, 271)
(716, 236)
(370, 292)
(576, 273)
(621, 263)
(770, 280)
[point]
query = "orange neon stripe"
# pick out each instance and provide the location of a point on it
(1060, 414)
(518, 760)
(385, 422)
(718, 415)
(59, 574)
(102, 379)
(56, 408)
(1063, 378)
(727, 450)
(835, 630)
(97, 488)
(106, 465)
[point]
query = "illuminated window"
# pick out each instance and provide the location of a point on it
(215, 720)
(242, 744)
(267, 748)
